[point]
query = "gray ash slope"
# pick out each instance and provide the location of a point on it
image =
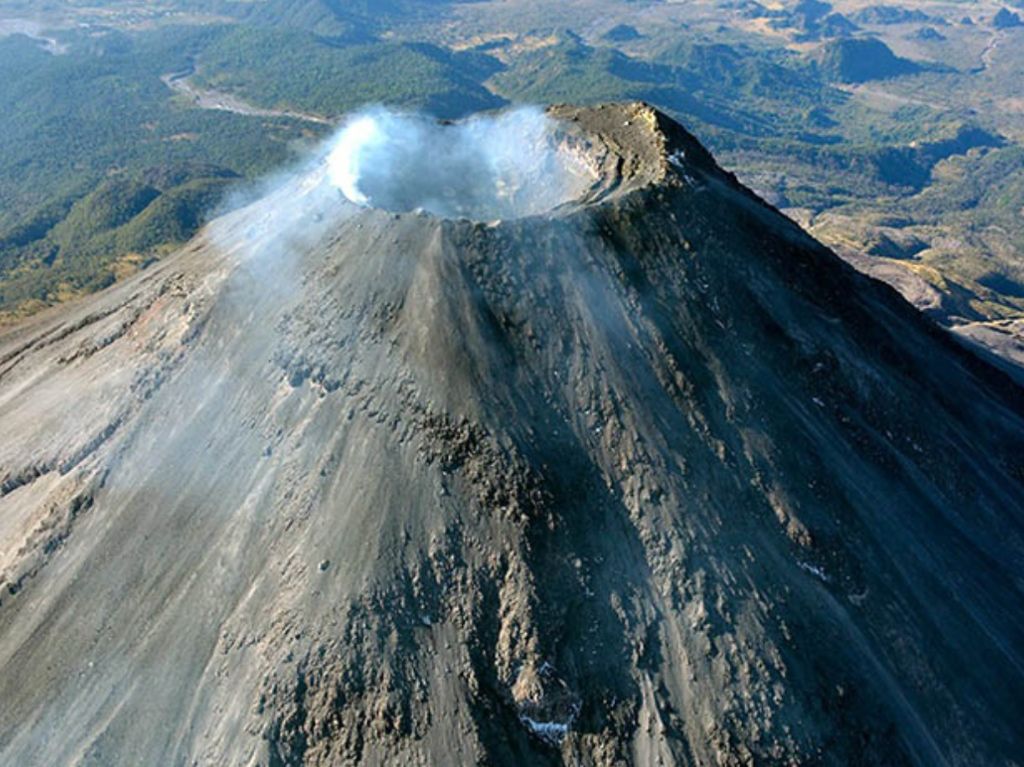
(653, 480)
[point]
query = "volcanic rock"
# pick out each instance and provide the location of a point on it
(650, 478)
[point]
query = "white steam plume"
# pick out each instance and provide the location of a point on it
(507, 165)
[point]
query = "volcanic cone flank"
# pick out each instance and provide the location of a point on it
(653, 479)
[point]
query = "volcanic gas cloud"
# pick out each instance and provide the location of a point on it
(508, 165)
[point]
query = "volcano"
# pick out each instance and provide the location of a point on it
(637, 473)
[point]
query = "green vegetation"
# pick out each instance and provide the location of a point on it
(298, 70)
(859, 60)
(569, 71)
(722, 91)
(120, 225)
(98, 161)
